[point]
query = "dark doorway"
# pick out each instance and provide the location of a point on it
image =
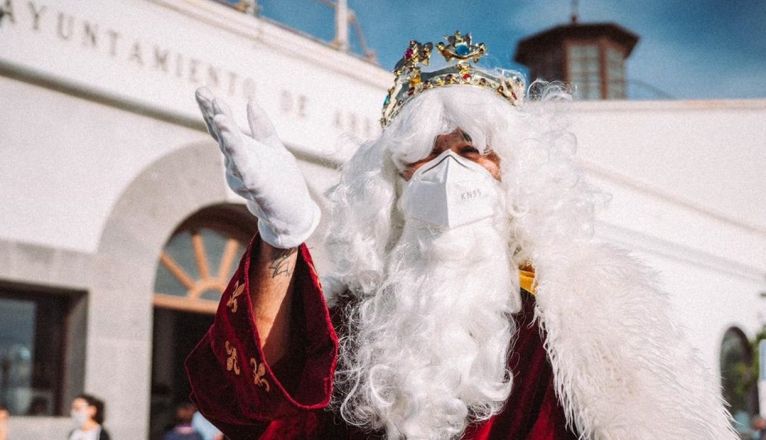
(175, 334)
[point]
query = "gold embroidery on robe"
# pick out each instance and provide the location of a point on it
(232, 302)
(259, 370)
(231, 361)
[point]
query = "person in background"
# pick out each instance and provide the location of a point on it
(88, 415)
(4, 416)
(205, 428)
(759, 428)
(183, 430)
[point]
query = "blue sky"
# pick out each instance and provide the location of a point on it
(693, 49)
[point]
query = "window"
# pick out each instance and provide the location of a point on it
(584, 70)
(31, 352)
(615, 74)
(199, 259)
(738, 376)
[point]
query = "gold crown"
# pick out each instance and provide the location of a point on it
(461, 55)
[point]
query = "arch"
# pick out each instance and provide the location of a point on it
(199, 258)
(738, 381)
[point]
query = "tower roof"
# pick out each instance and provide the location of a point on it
(555, 36)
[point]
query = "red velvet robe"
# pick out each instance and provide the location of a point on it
(246, 398)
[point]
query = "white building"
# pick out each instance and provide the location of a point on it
(117, 227)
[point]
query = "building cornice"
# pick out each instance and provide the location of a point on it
(275, 37)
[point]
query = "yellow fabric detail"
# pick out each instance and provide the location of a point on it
(527, 280)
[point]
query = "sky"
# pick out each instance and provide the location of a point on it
(688, 49)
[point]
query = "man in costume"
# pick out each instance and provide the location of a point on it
(446, 330)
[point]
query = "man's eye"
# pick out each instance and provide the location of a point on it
(469, 150)
(466, 136)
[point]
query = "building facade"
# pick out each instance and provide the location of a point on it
(118, 229)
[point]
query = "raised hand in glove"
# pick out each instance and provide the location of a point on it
(260, 169)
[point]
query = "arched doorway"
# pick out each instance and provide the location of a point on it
(193, 269)
(738, 377)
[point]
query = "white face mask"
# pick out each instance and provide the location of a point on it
(450, 191)
(79, 417)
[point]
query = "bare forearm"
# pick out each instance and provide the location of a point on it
(271, 290)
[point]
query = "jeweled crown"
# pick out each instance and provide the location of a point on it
(461, 55)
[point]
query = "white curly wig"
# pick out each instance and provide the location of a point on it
(622, 369)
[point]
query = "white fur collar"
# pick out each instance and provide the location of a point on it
(623, 370)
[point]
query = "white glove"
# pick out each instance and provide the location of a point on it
(260, 169)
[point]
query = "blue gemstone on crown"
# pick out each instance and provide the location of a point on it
(387, 100)
(462, 49)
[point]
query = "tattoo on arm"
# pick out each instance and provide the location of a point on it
(280, 262)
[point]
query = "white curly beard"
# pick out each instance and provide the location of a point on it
(428, 351)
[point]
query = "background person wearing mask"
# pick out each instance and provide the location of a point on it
(88, 414)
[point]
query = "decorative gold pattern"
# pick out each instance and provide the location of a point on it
(231, 361)
(259, 370)
(232, 302)
(410, 78)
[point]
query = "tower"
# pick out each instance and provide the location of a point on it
(590, 56)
